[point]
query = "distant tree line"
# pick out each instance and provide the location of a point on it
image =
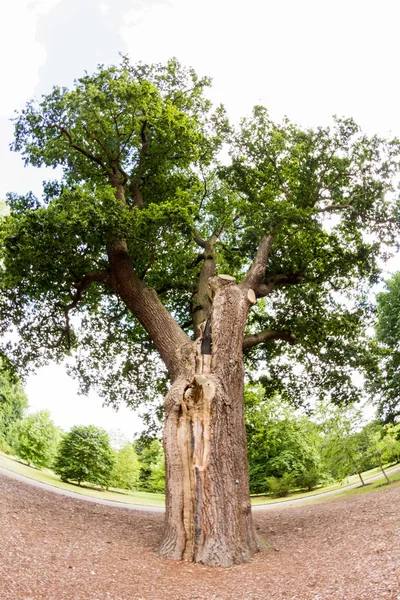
(287, 449)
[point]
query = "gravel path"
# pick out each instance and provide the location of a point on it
(53, 547)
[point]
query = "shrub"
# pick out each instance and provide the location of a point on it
(279, 487)
(309, 480)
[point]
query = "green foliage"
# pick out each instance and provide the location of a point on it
(347, 445)
(36, 439)
(152, 466)
(85, 455)
(279, 487)
(280, 442)
(125, 473)
(13, 404)
(309, 479)
(156, 481)
(389, 444)
(385, 385)
(138, 149)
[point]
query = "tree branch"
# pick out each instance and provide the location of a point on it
(266, 336)
(256, 273)
(198, 239)
(84, 283)
(263, 289)
(137, 179)
(81, 150)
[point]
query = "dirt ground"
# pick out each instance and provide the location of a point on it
(57, 548)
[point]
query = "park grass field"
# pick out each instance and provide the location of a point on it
(46, 476)
(336, 490)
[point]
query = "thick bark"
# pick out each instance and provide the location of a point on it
(147, 308)
(208, 510)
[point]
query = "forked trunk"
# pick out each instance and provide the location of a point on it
(208, 511)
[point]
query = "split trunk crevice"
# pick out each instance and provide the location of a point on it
(208, 511)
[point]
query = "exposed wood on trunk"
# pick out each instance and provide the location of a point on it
(208, 511)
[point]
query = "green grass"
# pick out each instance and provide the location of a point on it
(158, 500)
(375, 486)
(338, 487)
(47, 476)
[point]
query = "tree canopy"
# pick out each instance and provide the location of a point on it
(13, 404)
(36, 439)
(85, 455)
(386, 385)
(138, 148)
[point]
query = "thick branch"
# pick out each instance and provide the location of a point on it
(265, 288)
(256, 273)
(334, 207)
(198, 239)
(266, 336)
(84, 283)
(201, 306)
(145, 305)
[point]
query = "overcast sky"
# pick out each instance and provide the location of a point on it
(308, 59)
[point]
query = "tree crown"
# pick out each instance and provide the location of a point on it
(303, 216)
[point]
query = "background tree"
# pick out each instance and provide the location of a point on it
(346, 447)
(280, 442)
(150, 453)
(386, 384)
(126, 469)
(156, 480)
(36, 439)
(389, 444)
(163, 252)
(85, 455)
(13, 404)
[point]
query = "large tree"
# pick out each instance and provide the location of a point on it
(148, 248)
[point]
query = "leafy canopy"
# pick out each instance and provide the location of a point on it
(85, 455)
(13, 403)
(138, 150)
(35, 439)
(386, 385)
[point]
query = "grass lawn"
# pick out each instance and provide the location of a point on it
(47, 476)
(151, 499)
(338, 488)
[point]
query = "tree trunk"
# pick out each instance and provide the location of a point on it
(382, 469)
(208, 511)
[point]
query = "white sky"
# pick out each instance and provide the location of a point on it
(308, 59)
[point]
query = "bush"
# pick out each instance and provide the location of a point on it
(308, 480)
(279, 487)
(85, 455)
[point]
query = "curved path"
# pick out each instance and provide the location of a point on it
(158, 509)
(55, 490)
